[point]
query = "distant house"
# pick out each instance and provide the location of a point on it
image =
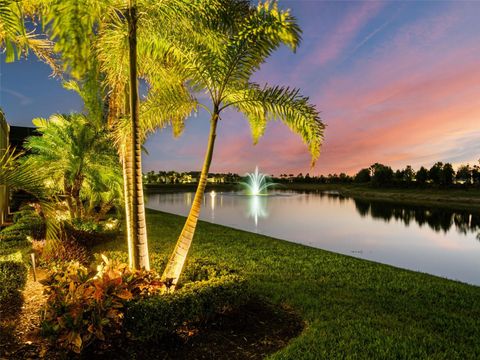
(4, 195)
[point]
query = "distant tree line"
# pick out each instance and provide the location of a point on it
(378, 175)
(191, 177)
(440, 174)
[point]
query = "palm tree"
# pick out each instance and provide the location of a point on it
(223, 71)
(88, 29)
(77, 164)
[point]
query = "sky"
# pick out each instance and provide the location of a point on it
(395, 82)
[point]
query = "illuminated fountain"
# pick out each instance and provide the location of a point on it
(256, 187)
(257, 183)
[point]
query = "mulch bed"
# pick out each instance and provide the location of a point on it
(251, 332)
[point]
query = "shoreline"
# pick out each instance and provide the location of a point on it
(461, 199)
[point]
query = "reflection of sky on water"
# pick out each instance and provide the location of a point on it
(437, 241)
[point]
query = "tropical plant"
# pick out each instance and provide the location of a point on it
(85, 305)
(246, 36)
(17, 39)
(106, 30)
(77, 164)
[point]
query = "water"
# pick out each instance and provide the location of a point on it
(436, 241)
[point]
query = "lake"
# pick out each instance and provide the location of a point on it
(437, 241)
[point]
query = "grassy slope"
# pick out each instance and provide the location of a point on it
(353, 308)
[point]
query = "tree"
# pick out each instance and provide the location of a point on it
(77, 164)
(435, 173)
(422, 175)
(363, 176)
(447, 175)
(381, 174)
(93, 36)
(408, 174)
(476, 174)
(398, 175)
(464, 174)
(223, 69)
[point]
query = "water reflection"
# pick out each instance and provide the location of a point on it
(437, 219)
(257, 206)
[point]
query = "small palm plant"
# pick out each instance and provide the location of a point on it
(223, 71)
(77, 164)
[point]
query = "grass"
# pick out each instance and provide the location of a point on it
(353, 308)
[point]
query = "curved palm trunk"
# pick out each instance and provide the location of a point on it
(177, 259)
(139, 228)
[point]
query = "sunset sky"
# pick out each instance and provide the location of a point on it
(395, 82)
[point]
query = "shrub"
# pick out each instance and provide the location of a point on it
(88, 232)
(153, 318)
(86, 305)
(13, 276)
(27, 223)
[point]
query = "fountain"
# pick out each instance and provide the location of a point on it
(257, 183)
(256, 187)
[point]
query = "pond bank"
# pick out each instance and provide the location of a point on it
(352, 307)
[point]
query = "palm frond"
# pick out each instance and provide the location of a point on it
(18, 41)
(279, 103)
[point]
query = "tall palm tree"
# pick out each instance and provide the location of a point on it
(87, 29)
(224, 73)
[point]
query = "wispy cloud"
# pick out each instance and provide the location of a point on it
(22, 99)
(345, 33)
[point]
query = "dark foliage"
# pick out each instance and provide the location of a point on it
(155, 317)
(13, 277)
(27, 223)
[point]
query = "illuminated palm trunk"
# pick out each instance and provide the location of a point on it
(127, 201)
(177, 259)
(138, 223)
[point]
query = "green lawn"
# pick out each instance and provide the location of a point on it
(353, 308)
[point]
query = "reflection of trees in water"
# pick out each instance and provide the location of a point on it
(437, 219)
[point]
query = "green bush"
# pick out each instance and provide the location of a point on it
(13, 276)
(27, 223)
(89, 233)
(155, 317)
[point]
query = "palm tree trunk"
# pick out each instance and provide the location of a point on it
(177, 259)
(139, 228)
(127, 180)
